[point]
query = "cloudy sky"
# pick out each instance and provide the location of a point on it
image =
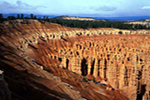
(103, 8)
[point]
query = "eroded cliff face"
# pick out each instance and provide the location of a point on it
(57, 59)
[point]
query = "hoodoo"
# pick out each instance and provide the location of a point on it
(44, 61)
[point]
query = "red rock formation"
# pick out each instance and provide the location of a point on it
(44, 51)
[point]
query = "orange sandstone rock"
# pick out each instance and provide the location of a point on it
(56, 59)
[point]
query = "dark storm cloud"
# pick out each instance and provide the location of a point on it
(6, 7)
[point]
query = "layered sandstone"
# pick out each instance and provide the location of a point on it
(60, 58)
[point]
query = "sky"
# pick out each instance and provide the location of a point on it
(94, 8)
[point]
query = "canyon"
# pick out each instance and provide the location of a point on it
(43, 61)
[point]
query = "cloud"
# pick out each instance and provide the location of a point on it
(20, 6)
(105, 8)
(146, 7)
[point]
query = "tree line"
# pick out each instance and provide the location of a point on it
(19, 16)
(94, 24)
(78, 23)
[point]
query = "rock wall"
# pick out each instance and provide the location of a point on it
(117, 57)
(121, 60)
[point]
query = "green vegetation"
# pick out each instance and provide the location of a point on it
(95, 24)
(31, 16)
(78, 23)
(18, 16)
(22, 16)
(1, 18)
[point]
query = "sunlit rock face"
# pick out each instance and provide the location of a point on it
(69, 62)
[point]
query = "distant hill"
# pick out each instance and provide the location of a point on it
(128, 18)
(78, 18)
(141, 22)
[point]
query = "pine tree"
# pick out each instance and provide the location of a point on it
(34, 17)
(22, 16)
(1, 18)
(31, 16)
(11, 18)
(44, 17)
(18, 16)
